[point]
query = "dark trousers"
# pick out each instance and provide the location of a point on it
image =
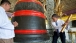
(57, 35)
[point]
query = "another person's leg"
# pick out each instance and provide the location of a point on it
(62, 36)
(6, 40)
(55, 37)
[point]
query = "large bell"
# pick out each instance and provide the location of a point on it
(31, 21)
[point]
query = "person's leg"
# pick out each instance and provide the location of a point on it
(55, 37)
(62, 36)
(6, 40)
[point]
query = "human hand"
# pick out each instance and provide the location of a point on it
(67, 22)
(15, 24)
